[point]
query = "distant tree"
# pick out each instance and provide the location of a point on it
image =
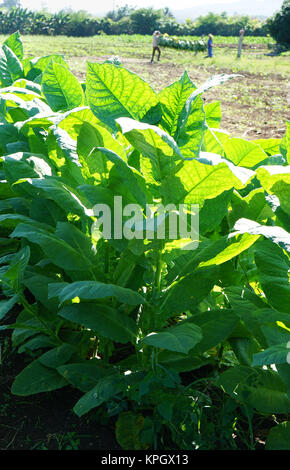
(279, 24)
(145, 20)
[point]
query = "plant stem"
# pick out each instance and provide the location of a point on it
(158, 272)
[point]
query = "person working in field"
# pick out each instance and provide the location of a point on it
(210, 45)
(156, 36)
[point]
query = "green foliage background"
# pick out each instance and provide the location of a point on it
(124, 21)
(279, 25)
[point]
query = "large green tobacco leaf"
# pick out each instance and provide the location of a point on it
(279, 437)
(213, 211)
(27, 94)
(282, 219)
(233, 249)
(24, 165)
(19, 108)
(216, 326)
(28, 85)
(285, 144)
(5, 190)
(84, 375)
(91, 137)
(182, 362)
(214, 139)
(172, 100)
(213, 114)
(10, 66)
(129, 176)
(38, 286)
(128, 429)
(72, 120)
(8, 134)
(273, 270)
(242, 174)
(53, 188)
(276, 334)
(57, 356)
(10, 221)
(14, 42)
(192, 119)
(188, 292)
(202, 179)
(252, 311)
(36, 378)
(190, 133)
(105, 389)
(35, 67)
(97, 194)
(275, 234)
(27, 326)
(92, 290)
(57, 250)
(15, 272)
(254, 207)
(15, 204)
(67, 147)
(214, 81)
(105, 320)
(36, 343)
(114, 92)
(243, 346)
(187, 262)
(45, 209)
(276, 180)
(268, 394)
(7, 305)
(261, 389)
(278, 354)
(234, 378)
(243, 153)
(42, 121)
(154, 144)
(77, 240)
(61, 89)
(270, 146)
(179, 338)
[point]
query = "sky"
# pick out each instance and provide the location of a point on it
(97, 6)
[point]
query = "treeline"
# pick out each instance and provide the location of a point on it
(62, 23)
(125, 20)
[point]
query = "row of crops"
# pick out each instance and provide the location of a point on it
(179, 346)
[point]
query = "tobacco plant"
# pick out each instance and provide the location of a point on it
(182, 44)
(143, 327)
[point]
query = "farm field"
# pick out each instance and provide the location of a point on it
(156, 341)
(255, 106)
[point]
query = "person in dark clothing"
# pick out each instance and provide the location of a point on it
(210, 45)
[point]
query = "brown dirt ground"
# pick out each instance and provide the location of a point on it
(46, 421)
